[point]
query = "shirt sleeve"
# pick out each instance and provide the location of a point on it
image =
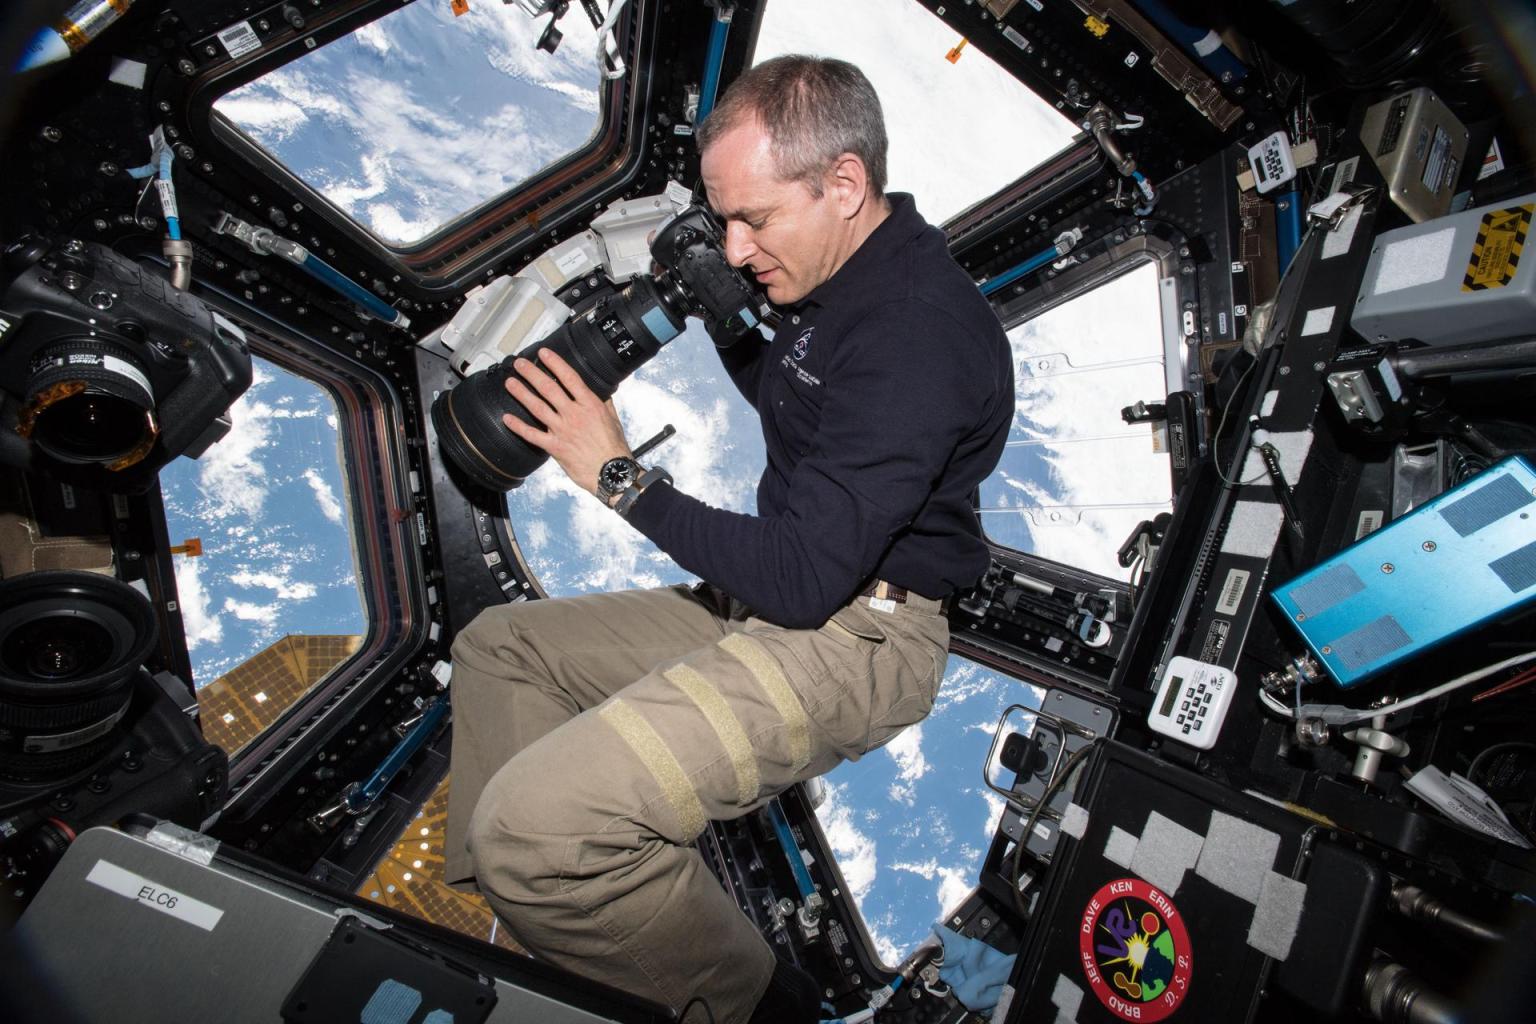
(744, 363)
(903, 389)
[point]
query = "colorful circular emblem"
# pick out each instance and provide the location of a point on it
(1135, 950)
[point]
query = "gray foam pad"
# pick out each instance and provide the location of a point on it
(1074, 820)
(1120, 848)
(1066, 997)
(1277, 915)
(1236, 855)
(1164, 851)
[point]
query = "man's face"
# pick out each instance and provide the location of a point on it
(789, 240)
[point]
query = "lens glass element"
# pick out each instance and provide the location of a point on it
(91, 426)
(57, 648)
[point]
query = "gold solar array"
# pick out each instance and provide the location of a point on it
(410, 879)
(239, 705)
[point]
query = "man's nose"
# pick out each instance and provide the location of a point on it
(739, 246)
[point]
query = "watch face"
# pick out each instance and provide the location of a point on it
(616, 475)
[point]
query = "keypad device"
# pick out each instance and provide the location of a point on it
(1271, 162)
(1192, 699)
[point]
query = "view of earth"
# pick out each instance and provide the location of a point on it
(268, 503)
(421, 116)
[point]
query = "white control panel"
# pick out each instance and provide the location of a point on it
(1271, 162)
(1192, 699)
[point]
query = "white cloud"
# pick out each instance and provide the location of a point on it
(954, 886)
(266, 614)
(907, 751)
(201, 625)
(374, 36)
(995, 805)
(231, 474)
(325, 496)
(278, 581)
(954, 882)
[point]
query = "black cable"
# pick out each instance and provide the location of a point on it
(1073, 760)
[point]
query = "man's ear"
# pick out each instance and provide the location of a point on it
(848, 184)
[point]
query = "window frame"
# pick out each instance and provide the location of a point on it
(1179, 353)
(468, 242)
(372, 431)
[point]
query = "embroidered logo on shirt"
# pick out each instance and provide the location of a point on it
(803, 343)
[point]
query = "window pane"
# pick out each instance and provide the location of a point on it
(1075, 479)
(958, 132)
(421, 116)
(574, 545)
(910, 824)
(273, 602)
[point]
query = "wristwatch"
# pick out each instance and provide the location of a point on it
(615, 478)
(632, 493)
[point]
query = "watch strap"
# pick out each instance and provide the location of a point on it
(632, 493)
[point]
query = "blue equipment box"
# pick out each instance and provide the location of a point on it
(1450, 565)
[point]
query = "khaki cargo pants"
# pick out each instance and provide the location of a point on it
(594, 738)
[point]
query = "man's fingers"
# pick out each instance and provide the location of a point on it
(532, 400)
(528, 432)
(542, 382)
(564, 372)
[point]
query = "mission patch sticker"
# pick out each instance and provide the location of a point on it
(1135, 950)
(1496, 253)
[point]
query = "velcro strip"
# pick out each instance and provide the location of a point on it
(1486, 505)
(726, 725)
(661, 763)
(771, 678)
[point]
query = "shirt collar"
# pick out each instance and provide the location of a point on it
(869, 260)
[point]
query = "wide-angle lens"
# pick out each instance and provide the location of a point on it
(70, 646)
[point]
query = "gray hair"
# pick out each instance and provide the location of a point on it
(814, 109)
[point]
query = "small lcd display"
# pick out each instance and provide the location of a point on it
(1176, 688)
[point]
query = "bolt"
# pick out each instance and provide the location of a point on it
(1301, 616)
(52, 134)
(1285, 371)
(186, 67)
(1327, 649)
(107, 168)
(1388, 568)
(1319, 366)
(1429, 545)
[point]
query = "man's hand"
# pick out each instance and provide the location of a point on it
(581, 432)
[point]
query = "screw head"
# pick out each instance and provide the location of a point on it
(1327, 649)
(1388, 568)
(1429, 545)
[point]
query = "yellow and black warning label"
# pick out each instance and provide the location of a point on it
(1496, 254)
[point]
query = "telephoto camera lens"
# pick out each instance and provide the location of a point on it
(604, 346)
(89, 401)
(70, 646)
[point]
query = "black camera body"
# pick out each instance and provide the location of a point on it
(604, 345)
(114, 372)
(691, 247)
(87, 734)
(156, 763)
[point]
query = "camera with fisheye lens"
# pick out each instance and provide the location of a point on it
(604, 344)
(88, 734)
(112, 372)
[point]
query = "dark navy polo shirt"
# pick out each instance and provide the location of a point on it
(885, 396)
